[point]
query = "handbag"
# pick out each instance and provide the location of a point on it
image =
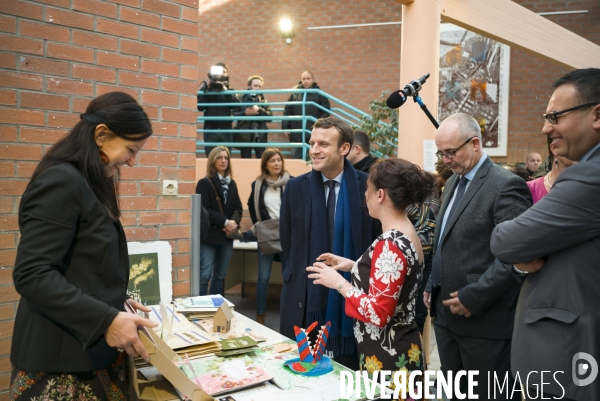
(267, 235)
(237, 234)
(267, 232)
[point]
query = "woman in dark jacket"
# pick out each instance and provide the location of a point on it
(71, 331)
(264, 204)
(310, 109)
(220, 197)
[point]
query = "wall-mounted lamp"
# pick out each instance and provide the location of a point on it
(286, 30)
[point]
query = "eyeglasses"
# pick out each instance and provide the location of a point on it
(552, 117)
(451, 154)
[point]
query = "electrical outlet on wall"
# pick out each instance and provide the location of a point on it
(169, 187)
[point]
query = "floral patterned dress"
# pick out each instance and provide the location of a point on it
(110, 384)
(385, 282)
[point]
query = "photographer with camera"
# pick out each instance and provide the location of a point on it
(255, 82)
(218, 81)
(307, 81)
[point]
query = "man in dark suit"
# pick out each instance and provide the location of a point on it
(316, 106)
(307, 221)
(469, 290)
(557, 318)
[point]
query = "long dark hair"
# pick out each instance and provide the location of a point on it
(125, 118)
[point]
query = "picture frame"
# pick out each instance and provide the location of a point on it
(474, 79)
(150, 279)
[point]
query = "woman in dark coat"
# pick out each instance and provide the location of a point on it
(220, 197)
(264, 204)
(71, 331)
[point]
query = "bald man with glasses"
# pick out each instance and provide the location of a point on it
(469, 290)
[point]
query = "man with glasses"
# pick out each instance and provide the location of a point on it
(557, 318)
(469, 290)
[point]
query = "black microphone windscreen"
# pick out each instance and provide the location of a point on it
(396, 99)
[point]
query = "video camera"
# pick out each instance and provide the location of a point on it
(251, 98)
(218, 80)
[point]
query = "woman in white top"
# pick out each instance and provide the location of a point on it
(264, 204)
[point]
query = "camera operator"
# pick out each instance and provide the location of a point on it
(255, 82)
(307, 82)
(218, 81)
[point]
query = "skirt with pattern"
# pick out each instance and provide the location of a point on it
(110, 384)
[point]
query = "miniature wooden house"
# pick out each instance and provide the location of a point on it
(222, 319)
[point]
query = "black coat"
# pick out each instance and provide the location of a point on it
(217, 111)
(71, 271)
(310, 109)
(263, 110)
(295, 237)
(232, 208)
(365, 164)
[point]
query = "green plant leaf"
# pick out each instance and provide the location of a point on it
(381, 127)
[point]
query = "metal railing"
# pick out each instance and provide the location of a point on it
(344, 111)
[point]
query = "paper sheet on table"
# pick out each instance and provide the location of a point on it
(183, 336)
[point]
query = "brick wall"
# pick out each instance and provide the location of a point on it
(55, 56)
(357, 64)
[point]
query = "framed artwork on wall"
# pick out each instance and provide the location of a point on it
(150, 280)
(474, 79)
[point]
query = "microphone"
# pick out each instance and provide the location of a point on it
(397, 98)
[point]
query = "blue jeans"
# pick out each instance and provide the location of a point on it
(265, 262)
(214, 261)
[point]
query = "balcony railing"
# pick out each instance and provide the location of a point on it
(340, 109)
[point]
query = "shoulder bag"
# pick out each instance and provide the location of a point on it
(267, 233)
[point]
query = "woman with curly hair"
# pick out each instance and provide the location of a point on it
(386, 278)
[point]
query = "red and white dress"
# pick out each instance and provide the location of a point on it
(385, 282)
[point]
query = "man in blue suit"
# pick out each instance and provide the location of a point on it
(308, 219)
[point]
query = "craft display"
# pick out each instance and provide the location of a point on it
(312, 361)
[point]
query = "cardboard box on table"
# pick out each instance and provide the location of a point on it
(163, 358)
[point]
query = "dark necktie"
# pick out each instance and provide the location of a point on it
(330, 211)
(437, 256)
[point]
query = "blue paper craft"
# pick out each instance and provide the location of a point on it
(323, 366)
(217, 301)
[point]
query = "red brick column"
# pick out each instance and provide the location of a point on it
(55, 56)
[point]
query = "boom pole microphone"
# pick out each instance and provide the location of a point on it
(414, 87)
(397, 98)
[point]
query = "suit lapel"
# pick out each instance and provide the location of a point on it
(449, 189)
(474, 186)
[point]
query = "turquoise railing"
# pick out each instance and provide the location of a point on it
(344, 111)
